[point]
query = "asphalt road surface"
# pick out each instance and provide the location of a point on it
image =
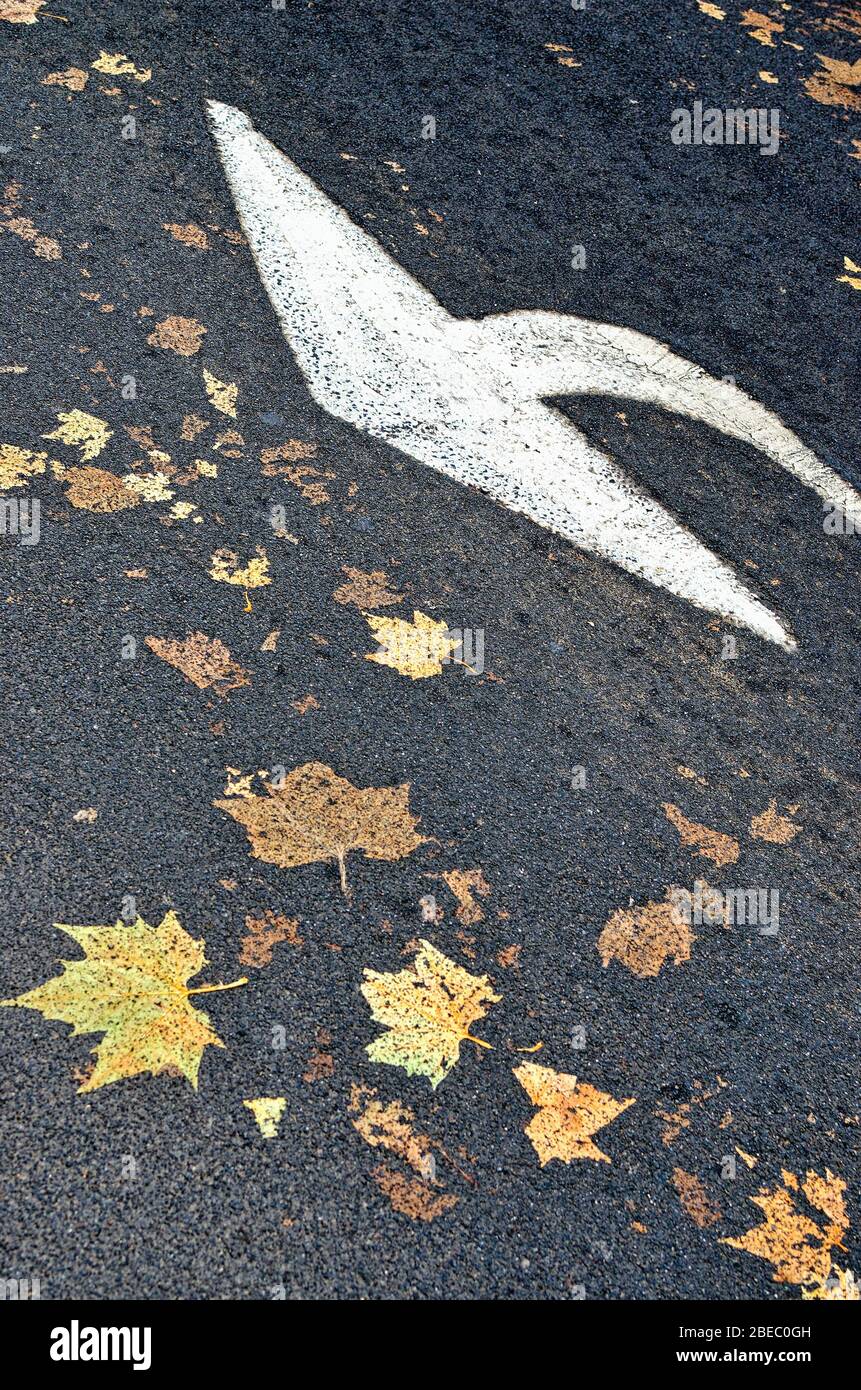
(552, 132)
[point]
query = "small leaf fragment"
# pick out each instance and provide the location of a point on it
(267, 1111)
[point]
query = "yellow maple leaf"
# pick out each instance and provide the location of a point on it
(415, 649)
(314, 816)
(118, 65)
(131, 986)
(267, 1111)
(428, 1010)
(855, 279)
(87, 433)
(569, 1113)
(798, 1247)
(222, 394)
(227, 569)
(17, 465)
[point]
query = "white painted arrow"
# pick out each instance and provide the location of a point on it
(466, 396)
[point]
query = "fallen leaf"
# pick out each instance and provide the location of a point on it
(73, 79)
(366, 590)
(391, 1127)
(88, 815)
(192, 426)
(131, 986)
(96, 490)
(773, 828)
(315, 817)
(509, 957)
(797, 1247)
(855, 278)
(205, 661)
(711, 844)
(17, 465)
(321, 1063)
(463, 884)
(305, 705)
(835, 85)
(267, 1111)
(189, 234)
(264, 934)
(291, 451)
(643, 938)
(85, 432)
(569, 1114)
(149, 487)
(412, 1197)
(695, 1200)
(177, 334)
(761, 27)
(840, 1286)
(222, 394)
(270, 643)
(713, 11)
(21, 11)
(226, 568)
(118, 65)
(417, 649)
(676, 1121)
(427, 1010)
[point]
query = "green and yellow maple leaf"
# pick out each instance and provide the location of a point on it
(427, 1010)
(132, 986)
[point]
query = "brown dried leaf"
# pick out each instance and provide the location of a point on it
(463, 884)
(73, 79)
(797, 1247)
(264, 934)
(695, 1199)
(837, 84)
(761, 27)
(205, 661)
(177, 334)
(366, 590)
(390, 1127)
(95, 490)
(21, 11)
(712, 844)
(189, 234)
(773, 828)
(412, 1197)
(305, 705)
(644, 937)
(317, 817)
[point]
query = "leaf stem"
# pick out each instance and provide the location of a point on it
(210, 989)
(479, 1042)
(342, 872)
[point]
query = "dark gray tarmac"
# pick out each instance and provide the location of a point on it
(730, 257)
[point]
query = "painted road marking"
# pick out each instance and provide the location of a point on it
(467, 396)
